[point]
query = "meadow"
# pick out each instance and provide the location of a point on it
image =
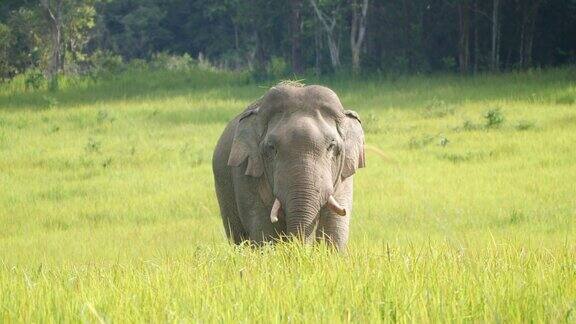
(464, 213)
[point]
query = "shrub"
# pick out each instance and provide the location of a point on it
(277, 67)
(494, 118)
(165, 61)
(525, 125)
(565, 100)
(34, 79)
(6, 69)
(103, 62)
(437, 109)
(416, 143)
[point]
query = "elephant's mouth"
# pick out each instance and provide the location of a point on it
(331, 204)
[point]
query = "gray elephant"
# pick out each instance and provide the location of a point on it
(284, 167)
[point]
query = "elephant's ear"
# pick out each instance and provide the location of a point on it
(245, 144)
(353, 144)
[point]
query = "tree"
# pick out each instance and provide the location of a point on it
(296, 35)
(6, 41)
(401, 36)
(53, 12)
(78, 22)
(495, 48)
(463, 8)
(329, 23)
(357, 31)
(528, 11)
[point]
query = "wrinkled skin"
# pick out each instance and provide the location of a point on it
(296, 149)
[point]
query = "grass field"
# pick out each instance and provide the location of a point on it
(466, 211)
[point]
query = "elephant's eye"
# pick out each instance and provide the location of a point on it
(332, 147)
(270, 150)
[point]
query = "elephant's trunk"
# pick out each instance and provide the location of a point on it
(332, 204)
(302, 199)
(301, 214)
(301, 190)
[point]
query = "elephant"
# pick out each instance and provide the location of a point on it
(284, 168)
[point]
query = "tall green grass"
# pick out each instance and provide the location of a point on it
(107, 209)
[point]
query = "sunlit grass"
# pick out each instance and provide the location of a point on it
(107, 210)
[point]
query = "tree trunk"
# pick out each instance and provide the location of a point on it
(529, 13)
(334, 49)
(295, 33)
(476, 42)
(318, 50)
(528, 46)
(495, 54)
(464, 37)
(260, 56)
(521, 49)
(329, 28)
(357, 32)
(54, 17)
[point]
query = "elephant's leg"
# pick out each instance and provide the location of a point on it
(228, 209)
(260, 228)
(252, 212)
(232, 225)
(332, 227)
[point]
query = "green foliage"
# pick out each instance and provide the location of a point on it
(419, 36)
(494, 118)
(278, 68)
(172, 62)
(79, 22)
(469, 126)
(24, 44)
(420, 142)
(438, 109)
(524, 125)
(106, 63)
(449, 63)
(566, 100)
(6, 42)
(34, 79)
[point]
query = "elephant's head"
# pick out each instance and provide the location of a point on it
(301, 143)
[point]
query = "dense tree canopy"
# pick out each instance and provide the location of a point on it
(294, 36)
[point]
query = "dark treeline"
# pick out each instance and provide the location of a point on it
(290, 37)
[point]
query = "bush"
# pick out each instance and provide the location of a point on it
(565, 100)
(6, 69)
(438, 109)
(277, 68)
(494, 118)
(165, 61)
(104, 62)
(34, 79)
(524, 125)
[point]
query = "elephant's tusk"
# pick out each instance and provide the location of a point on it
(276, 209)
(334, 206)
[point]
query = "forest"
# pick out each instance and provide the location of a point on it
(46, 38)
